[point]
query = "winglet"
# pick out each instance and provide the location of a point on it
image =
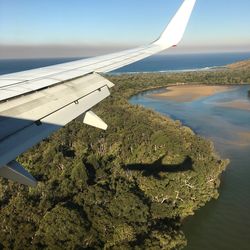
(174, 32)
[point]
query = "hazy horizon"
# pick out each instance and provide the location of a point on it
(46, 29)
(68, 51)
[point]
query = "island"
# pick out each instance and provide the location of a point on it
(129, 187)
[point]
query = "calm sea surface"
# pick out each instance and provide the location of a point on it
(151, 64)
(224, 223)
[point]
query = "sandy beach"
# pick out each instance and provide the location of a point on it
(188, 93)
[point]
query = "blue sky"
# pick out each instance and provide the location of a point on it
(100, 26)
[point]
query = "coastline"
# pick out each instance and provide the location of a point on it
(176, 71)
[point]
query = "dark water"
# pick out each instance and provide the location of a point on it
(186, 62)
(8, 66)
(151, 64)
(223, 224)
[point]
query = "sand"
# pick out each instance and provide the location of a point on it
(242, 139)
(188, 93)
(243, 105)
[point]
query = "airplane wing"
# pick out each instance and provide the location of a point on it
(35, 103)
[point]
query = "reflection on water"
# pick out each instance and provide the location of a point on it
(224, 223)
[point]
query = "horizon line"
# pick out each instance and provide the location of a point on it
(89, 56)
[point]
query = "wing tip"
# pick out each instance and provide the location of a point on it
(174, 31)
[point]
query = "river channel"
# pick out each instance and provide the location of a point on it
(224, 118)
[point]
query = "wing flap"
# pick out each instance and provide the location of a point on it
(15, 172)
(92, 119)
(37, 131)
(21, 112)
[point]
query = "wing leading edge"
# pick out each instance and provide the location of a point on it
(35, 103)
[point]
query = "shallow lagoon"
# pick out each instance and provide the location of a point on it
(223, 223)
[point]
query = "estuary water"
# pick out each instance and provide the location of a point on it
(225, 119)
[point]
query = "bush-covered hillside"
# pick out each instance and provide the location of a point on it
(126, 188)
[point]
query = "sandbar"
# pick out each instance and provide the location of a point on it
(243, 105)
(189, 92)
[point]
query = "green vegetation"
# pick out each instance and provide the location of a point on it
(126, 188)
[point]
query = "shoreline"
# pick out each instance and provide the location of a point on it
(173, 71)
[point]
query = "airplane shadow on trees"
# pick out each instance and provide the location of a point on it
(156, 168)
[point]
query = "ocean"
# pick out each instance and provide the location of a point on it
(158, 63)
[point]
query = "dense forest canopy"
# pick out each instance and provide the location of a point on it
(125, 188)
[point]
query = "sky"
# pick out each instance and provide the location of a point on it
(70, 28)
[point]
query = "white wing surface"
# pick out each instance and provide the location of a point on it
(35, 103)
